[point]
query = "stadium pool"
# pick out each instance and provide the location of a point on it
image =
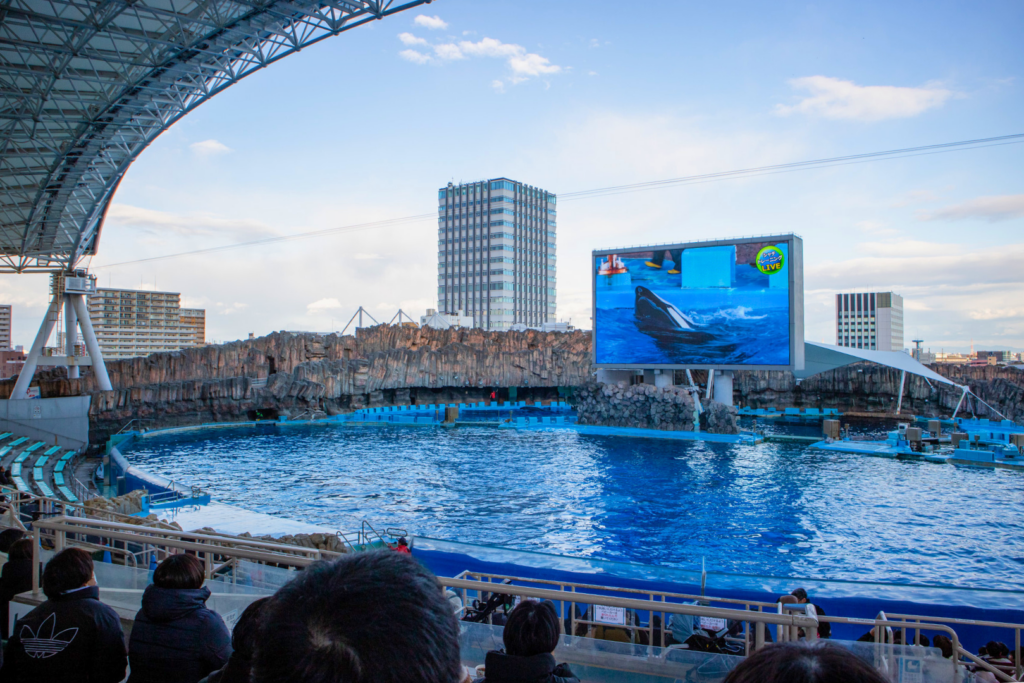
(770, 509)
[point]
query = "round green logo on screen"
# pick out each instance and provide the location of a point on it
(770, 260)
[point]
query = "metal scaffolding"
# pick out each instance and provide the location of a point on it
(86, 85)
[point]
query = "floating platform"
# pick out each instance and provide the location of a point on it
(795, 415)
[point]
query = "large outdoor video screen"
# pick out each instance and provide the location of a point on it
(726, 304)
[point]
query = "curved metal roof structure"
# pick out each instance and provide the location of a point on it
(86, 85)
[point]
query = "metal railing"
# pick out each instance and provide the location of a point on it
(1018, 666)
(221, 552)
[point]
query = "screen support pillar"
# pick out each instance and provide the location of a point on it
(723, 387)
(99, 368)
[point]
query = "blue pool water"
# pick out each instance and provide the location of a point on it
(771, 509)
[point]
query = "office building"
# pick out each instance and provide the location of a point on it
(130, 323)
(11, 362)
(496, 253)
(870, 320)
(5, 326)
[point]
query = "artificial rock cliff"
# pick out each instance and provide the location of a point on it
(292, 374)
(649, 407)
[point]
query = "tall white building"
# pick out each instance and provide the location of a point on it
(870, 320)
(496, 253)
(5, 326)
(132, 323)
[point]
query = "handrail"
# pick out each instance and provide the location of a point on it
(978, 661)
(683, 596)
(1017, 628)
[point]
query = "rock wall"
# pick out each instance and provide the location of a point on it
(290, 374)
(649, 407)
(866, 387)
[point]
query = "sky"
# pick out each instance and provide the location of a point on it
(568, 96)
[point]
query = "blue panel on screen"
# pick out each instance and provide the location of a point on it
(709, 267)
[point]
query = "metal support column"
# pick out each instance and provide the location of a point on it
(45, 329)
(70, 334)
(99, 368)
(899, 402)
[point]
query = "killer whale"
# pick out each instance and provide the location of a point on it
(653, 311)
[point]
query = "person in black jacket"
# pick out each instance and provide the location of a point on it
(15, 577)
(243, 642)
(175, 638)
(531, 634)
(70, 637)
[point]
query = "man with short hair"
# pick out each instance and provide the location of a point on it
(374, 617)
(70, 637)
(824, 628)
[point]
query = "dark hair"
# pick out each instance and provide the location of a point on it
(374, 616)
(243, 642)
(20, 550)
(943, 643)
(800, 594)
(532, 629)
(804, 662)
(69, 569)
(402, 541)
(8, 537)
(179, 571)
(921, 639)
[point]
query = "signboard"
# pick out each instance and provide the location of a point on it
(610, 615)
(725, 304)
(712, 625)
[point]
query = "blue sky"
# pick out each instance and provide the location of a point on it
(577, 95)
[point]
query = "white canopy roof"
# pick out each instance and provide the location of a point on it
(823, 357)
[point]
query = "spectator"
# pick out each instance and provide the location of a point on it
(243, 644)
(375, 617)
(15, 577)
(8, 537)
(945, 644)
(70, 637)
(403, 546)
(175, 637)
(824, 627)
(531, 636)
(804, 662)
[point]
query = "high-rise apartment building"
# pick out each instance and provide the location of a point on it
(870, 320)
(496, 253)
(130, 323)
(5, 326)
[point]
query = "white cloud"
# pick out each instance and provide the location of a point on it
(414, 56)
(165, 225)
(209, 148)
(591, 73)
(367, 257)
(498, 85)
(228, 309)
(323, 305)
(448, 52)
(992, 209)
(433, 23)
(410, 39)
(875, 228)
(833, 98)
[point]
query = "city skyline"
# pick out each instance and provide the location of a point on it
(584, 101)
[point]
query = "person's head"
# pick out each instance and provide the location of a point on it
(983, 651)
(375, 616)
(992, 648)
(532, 629)
(921, 639)
(69, 569)
(20, 550)
(8, 537)
(804, 662)
(944, 644)
(179, 571)
(800, 594)
(788, 600)
(403, 542)
(243, 637)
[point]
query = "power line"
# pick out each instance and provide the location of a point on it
(940, 148)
